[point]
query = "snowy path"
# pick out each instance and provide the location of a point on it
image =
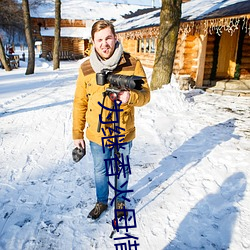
(190, 169)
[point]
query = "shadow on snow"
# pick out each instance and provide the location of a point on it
(190, 153)
(214, 220)
(210, 223)
(22, 110)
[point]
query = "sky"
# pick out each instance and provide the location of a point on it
(190, 171)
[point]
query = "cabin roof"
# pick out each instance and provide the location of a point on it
(140, 21)
(84, 10)
(77, 32)
(193, 10)
(208, 9)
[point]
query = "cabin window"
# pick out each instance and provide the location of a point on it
(140, 45)
(146, 45)
(152, 45)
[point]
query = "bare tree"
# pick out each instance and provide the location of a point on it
(28, 33)
(11, 24)
(36, 3)
(3, 57)
(56, 59)
(11, 16)
(168, 34)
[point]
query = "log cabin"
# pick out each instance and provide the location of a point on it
(213, 41)
(74, 37)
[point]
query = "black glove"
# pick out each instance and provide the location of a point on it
(78, 153)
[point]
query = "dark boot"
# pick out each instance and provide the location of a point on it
(97, 210)
(120, 206)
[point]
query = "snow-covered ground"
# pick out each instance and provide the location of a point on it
(190, 169)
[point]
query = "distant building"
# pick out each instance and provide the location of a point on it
(75, 36)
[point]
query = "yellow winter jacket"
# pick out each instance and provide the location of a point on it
(86, 109)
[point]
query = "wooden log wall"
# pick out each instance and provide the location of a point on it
(79, 46)
(47, 45)
(66, 44)
(146, 59)
(245, 60)
(131, 46)
(209, 57)
(73, 45)
(50, 22)
(190, 56)
(178, 61)
(185, 59)
(186, 55)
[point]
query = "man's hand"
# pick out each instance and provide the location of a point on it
(79, 143)
(79, 151)
(123, 96)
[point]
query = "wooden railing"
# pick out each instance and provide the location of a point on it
(64, 55)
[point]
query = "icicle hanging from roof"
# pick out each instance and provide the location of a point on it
(246, 25)
(229, 24)
(148, 32)
(218, 25)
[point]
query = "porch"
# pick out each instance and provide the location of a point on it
(231, 87)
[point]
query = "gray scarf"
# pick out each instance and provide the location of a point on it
(98, 64)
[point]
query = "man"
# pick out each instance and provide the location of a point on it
(107, 54)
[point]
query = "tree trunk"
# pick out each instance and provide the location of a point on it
(28, 33)
(56, 59)
(168, 34)
(3, 57)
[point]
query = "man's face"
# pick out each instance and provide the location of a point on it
(104, 42)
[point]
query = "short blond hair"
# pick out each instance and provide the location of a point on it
(100, 25)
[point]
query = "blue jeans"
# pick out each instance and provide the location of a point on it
(101, 162)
